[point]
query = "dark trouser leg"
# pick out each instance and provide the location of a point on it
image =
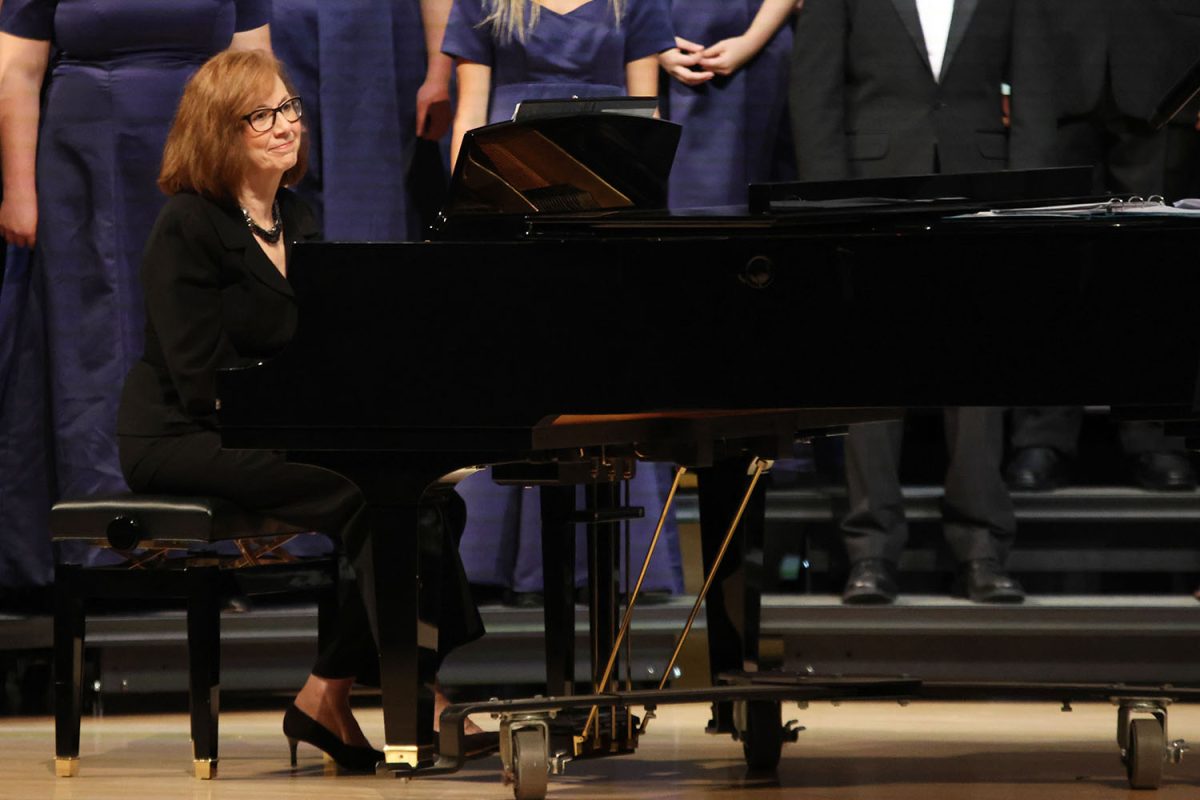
(312, 497)
(1183, 157)
(875, 526)
(1129, 157)
(1136, 157)
(1081, 142)
(456, 616)
(1051, 426)
(1058, 427)
(351, 651)
(977, 511)
(264, 482)
(1148, 437)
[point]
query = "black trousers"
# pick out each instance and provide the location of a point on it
(1058, 427)
(313, 497)
(1128, 158)
(977, 512)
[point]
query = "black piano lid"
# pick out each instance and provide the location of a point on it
(586, 162)
(592, 174)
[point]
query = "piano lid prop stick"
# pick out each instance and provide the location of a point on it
(759, 465)
(637, 587)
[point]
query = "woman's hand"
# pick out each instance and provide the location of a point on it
(727, 56)
(18, 220)
(434, 114)
(679, 62)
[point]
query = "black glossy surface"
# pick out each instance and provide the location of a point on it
(455, 346)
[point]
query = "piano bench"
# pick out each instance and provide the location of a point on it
(170, 550)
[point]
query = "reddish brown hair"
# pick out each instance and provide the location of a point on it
(204, 152)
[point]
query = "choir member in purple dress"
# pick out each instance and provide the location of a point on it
(507, 51)
(374, 82)
(87, 92)
(730, 69)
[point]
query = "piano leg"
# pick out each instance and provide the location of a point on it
(602, 571)
(558, 582)
(733, 603)
(392, 578)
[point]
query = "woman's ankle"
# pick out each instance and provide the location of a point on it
(327, 700)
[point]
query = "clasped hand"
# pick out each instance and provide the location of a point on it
(693, 64)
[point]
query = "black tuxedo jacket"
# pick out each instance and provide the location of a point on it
(864, 102)
(1143, 46)
(213, 300)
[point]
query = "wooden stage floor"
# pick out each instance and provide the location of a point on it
(861, 751)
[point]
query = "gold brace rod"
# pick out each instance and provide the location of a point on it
(760, 466)
(637, 587)
(254, 552)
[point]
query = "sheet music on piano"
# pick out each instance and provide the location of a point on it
(1117, 206)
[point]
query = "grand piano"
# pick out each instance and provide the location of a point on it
(562, 326)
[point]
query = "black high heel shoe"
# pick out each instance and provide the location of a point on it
(300, 727)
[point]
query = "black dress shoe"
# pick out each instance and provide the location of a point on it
(300, 727)
(872, 581)
(985, 581)
(1037, 469)
(1165, 472)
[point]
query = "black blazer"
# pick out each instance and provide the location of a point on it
(1143, 46)
(213, 300)
(865, 104)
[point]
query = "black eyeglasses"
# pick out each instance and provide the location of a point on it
(263, 119)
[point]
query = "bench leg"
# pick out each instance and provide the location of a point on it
(68, 669)
(204, 665)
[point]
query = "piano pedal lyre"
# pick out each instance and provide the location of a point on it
(757, 467)
(627, 619)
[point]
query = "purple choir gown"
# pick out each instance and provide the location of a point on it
(71, 315)
(580, 54)
(731, 125)
(358, 65)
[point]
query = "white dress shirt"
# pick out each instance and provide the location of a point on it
(935, 25)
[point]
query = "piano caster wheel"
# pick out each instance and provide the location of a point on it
(66, 766)
(204, 769)
(760, 727)
(1146, 753)
(528, 769)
